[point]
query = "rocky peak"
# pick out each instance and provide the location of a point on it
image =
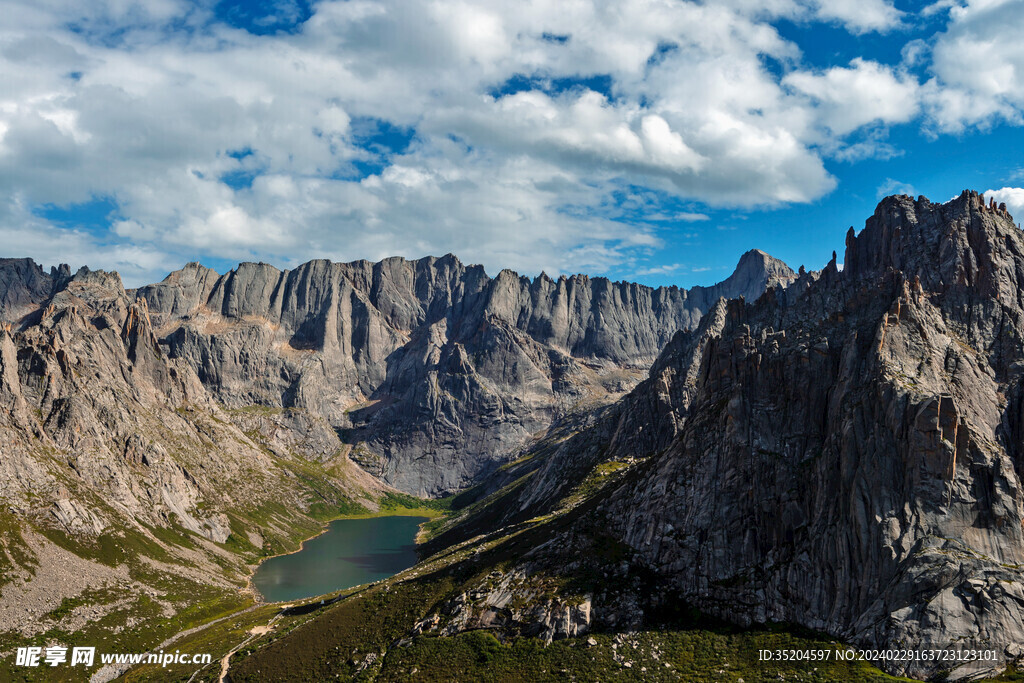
(107, 281)
(846, 456)
(326, 336)
(961, 243)
(24, 286)
(756, 272)
(468, 365)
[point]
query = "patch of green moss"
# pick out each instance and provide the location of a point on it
(113, 547)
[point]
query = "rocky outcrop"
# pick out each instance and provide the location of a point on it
(844, 454)
(513, 604)
(101, 431)
(434, 372)
(24, 286)
(847, 451)
(427, 374)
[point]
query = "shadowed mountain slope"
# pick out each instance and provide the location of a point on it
(432, 371)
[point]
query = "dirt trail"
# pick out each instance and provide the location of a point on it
(254, 632)
(112, 671)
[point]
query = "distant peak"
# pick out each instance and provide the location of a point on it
(754, 257)
(102, 278)
(755, 272)
(756, 261)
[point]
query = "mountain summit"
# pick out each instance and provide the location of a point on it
(431, 371)
(844, 454)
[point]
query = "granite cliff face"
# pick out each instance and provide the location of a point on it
(432, 371)
(93, 414)
(844, 454)
(125, 406)
(157, 442)
(24, 286)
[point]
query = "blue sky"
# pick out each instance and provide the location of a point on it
(647, 140)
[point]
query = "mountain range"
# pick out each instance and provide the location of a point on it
(837, 450)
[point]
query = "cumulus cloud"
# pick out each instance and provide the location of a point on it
(978, 66)
(851, 97)
(856, 16)
(1012, 196)
(862, 16)
(524, 124)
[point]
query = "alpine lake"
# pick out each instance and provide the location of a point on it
(351, 552)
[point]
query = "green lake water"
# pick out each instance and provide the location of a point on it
(350, 552)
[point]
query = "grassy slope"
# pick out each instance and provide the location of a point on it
(354, 635)
(335, 640)
(134, 621)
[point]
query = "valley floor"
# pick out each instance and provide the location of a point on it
(367, 634)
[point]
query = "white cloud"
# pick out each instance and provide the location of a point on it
(1013, 197)
(892, 186)
(978, 66)
(666, 269)
(861, 16)
(856, 16)
(128, 107)
(690, 217)
(938, 6)
(851, 97)
(24, 234)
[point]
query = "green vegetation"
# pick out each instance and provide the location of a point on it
(327, 512)
(1013, 674)
(390, 504)
(601, 475)
(335, 642)
(127, 622)
(113, 547)
(696, 655)
(15, 555)
(405, 505)
(89, 597)
(341, 636)
(218, 639)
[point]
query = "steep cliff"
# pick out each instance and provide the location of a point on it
(844, 454)
(430, 369)
(24, 286)
(851, 460)
(127, 492)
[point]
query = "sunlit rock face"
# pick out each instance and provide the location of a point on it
(432, 371)
(846, 454)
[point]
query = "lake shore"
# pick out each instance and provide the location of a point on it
(359, 549)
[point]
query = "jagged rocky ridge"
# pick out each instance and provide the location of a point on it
(844, 454)
(120, 474)
(204, 420)
(113, 401)
(432, 371)
(99, 422)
